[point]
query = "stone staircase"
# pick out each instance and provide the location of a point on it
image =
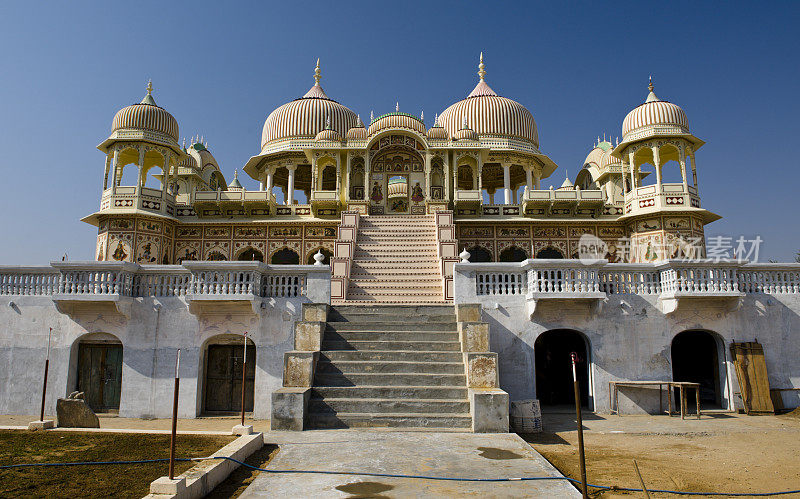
(390, 366)
(395, 261)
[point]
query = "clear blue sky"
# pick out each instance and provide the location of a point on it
(221, 67)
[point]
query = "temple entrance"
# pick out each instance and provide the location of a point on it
(223, 384)
(695, 359)
(554, 385)
(100, 375)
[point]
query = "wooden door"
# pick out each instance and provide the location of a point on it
(100, 375)
(751, 371)
(224, 378)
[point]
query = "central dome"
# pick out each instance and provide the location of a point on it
(306, 117)
(146, 116)
(488, 114)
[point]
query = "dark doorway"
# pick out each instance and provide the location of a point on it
(285, 257)
(326, 253)
(251, 255)
(554, 384)
(224, 378)
(695, 359)
(513, 254)
(100, 375)
(549, 252)
(478, 254)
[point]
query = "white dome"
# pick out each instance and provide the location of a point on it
(306, 117)
(655, 116)
(147, 116)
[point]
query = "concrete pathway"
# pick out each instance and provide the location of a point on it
(417, 453)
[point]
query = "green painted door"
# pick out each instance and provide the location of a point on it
(224, 378)
(100, 375)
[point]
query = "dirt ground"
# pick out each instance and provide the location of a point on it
(718, 453)
(243, 476)
(129, 480)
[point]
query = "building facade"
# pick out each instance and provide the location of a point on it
(389, 213)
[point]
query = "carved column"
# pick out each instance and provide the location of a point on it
(633, 171)
(506, 183)
(268, 183)
(290, 185)
(141, 167)
(682, 159)
(657, 164)
(529, 177)
(105, 177)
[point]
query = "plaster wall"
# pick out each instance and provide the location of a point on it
(629, 338)
(157, 327)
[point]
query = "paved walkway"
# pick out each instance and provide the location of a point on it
(418, 453)
(220, 425)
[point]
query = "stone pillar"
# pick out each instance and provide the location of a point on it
(529, 177)
(624, 177)
(165, 177)
(657, 164)
(506, 183)
(268, 184)
(516, 195)
(537, 179)
(338, 172)
(141, 168)
(427, 176)
(633, 172)
(694, 172)
(290, 185)
(683, 171)
(480, 171)
(105, 176)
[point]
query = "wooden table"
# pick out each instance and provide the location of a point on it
(613, 394)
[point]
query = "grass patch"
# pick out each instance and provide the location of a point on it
(118, 480)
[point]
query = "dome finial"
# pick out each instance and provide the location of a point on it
(328, 122)
(149, 87)
(371, 116)
(436, 120)
(650, 86)
(422, 116)
(481, 70)
(317, 74)
(464, 125)
(397, 106)
(651, 97)
(358, 121)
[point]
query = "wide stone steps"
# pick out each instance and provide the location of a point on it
(384, 324)
(387, 379)
(399, 250)
(395, 298)
(358, 318)
(389, 311)
(440, 346)
(404, 392)
(394, 278)
(378, 268)
(439, 356)
(389, 367)
(393, 287)
(392, 420)
(388, 405)
(390, 336)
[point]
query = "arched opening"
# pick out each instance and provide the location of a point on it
(550, 252)
(129, 175)
(251, 255)
(285, 256)
(328, 178)
(695, 358)
(97, 358)
(437, 179)
(479, 254)
(222, 387)
(325, 252)
(669, 156)
(466, 180)
(584, 180)
(154, 177)
(553, 362)
(357, 179)
(513, 254)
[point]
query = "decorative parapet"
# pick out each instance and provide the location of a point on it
(69, 283)
(672, 281)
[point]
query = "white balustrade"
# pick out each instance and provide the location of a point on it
(629, 279)
(29, 281)
(499, 283)
(769, 278)
(699, 278)
(284, 286)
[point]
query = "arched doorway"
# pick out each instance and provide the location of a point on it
(549, 252)
(223, 374)
(513, 254)
(695, 358)
(554, 385)
(285, 257)
(325, 253)
(99, 371)
(479, 254)
(251, 255)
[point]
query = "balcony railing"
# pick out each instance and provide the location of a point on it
(103, 281)
(671, 280)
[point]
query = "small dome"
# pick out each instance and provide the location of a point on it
(566, 185)
(657, 116)
(329, 134)
(188, 162)
(147, 116)
(490, 114)
(437, 131)
(358, 132)
(305, 117)
(600, 156)
(235, 185)
(396, 120)
(465, 132)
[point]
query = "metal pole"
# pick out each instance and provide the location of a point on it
(46, 368)
(581, 455)
(244, 370)
(641, 480)
(174, 418)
